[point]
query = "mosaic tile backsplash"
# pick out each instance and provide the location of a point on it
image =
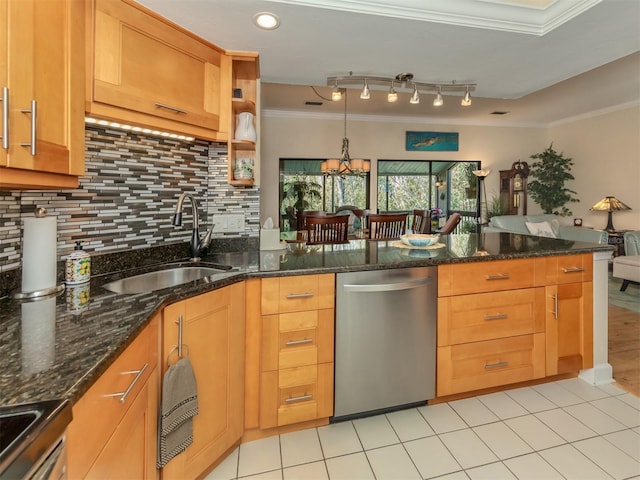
(128, 195)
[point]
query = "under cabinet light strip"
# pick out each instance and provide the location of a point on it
(134, 128)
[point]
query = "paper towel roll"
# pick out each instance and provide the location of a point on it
(39, 254)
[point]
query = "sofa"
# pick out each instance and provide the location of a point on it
(545, 225)
(627, 266)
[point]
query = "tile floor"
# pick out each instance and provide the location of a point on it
(561, 430)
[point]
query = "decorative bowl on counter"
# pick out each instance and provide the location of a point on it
(419, 240)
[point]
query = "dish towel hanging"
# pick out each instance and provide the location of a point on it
(179, 406)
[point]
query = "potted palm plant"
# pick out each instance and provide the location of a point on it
(298, 195)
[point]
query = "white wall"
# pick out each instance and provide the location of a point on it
(605, 149)
(303, 137)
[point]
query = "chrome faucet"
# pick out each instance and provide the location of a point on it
(198, 246)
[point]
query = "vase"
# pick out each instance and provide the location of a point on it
(244, 127)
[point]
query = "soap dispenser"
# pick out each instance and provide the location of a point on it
(77, 266)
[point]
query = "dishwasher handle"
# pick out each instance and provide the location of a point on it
(389, 287)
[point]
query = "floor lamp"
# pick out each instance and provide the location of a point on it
(483, 216)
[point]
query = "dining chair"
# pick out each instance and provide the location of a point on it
(387, 225)
(450, 225)
(421, 222)
(327, 229)
(302, 222)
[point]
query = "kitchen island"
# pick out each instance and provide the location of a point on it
(81, 341)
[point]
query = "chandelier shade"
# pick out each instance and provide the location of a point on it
(404, 81)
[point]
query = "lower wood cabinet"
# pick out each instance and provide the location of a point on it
(213, 329)
(114, 429)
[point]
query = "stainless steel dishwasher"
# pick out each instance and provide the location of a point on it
(385, 354)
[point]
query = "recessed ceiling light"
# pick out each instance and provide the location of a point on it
(266, 20)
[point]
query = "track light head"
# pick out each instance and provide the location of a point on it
(438, 101)
(415, 98)
(336, 94)
(466, 100)
(392, 96)
(365, 94)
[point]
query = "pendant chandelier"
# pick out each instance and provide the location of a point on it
(345, 165)
(401, 81)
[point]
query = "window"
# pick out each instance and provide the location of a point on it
(303, 187)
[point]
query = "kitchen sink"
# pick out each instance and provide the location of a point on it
(159, 279)
(28, 432)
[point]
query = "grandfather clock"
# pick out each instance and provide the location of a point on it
(513, 188)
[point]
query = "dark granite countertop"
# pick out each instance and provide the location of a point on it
(57, 347)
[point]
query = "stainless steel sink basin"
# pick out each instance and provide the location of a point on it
(159, 279)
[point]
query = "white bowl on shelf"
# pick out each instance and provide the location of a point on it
(419, 239)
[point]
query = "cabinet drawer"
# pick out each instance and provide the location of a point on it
(297, 294)
(473, 366)
(295, 395)
(568, 269)
(465, 278)
(486, 316)
(102, 406)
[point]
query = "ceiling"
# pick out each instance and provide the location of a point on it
(541, 61)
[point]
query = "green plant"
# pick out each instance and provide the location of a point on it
(468, 226)
(497, 206)
(299, 194)
(550, 171)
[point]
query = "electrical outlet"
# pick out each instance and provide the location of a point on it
(228, 223)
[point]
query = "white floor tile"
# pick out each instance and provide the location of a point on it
(259, 456)
(572, 464)
(502, 440)
(612, 389)
(627, 440)
(594, 418)
(375, 432)
(565, 425)
(503, 405)
(473, 411)
(350, 467)
(493, 471)
(409, 425)
(308, 471)
(272, 475)
(630, 399)
(621, 411)
(467, 448)
(608, 457)
(530, 399)
(442, 418)
(339, 439)
(455, 476)
(431, 457)
(534, 432)
(582, 389)
(558, 395)
(392, 463)
(532, 467)
(300, 447)
(228, 468)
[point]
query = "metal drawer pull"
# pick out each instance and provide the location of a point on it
(499, 316)
(138, 373)
(5, 118)
(502, 276)
(169, 107)
(300, 295)
(299, 342)
(555, 305)
(573, 270)
(489, 366)
(34, 115)
(301, 398)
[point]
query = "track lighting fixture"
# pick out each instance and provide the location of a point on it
(402, 80)
(336, 94)
(392, 96)
(415, 98)
(466, 100)
(438, 101)
(365, 94)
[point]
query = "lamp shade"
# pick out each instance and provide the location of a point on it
(610, 204)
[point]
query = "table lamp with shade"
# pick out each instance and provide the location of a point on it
(610, 204)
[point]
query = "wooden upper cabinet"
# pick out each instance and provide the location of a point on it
(42, 78)
(146, 70)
